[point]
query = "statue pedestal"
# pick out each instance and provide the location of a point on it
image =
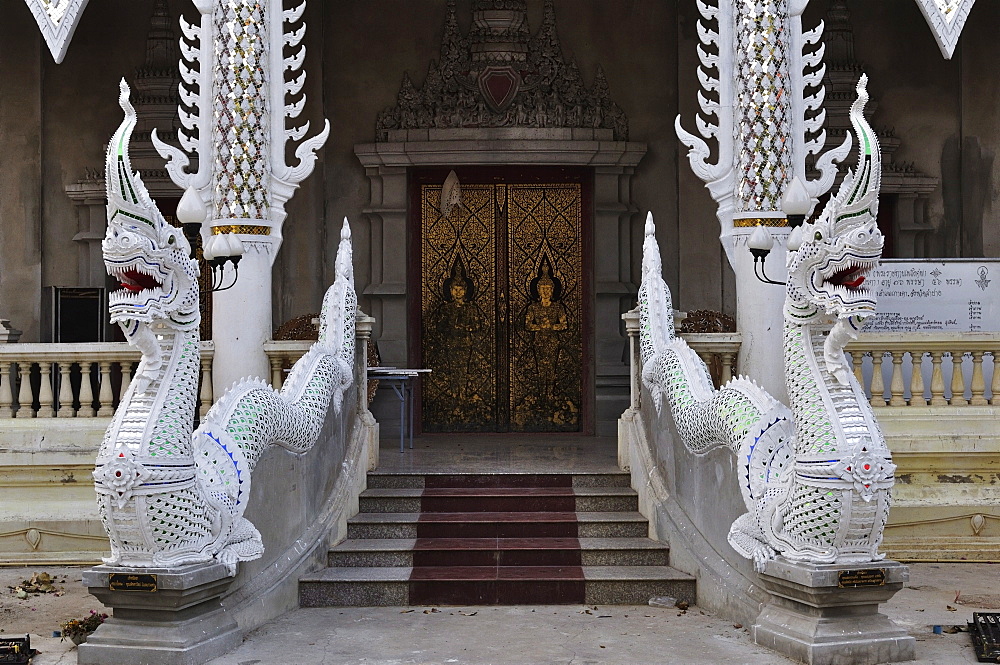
(162, 616)
(827, 614)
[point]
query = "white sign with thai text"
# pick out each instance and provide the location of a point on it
(931, 295)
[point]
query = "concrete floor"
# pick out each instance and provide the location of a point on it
(942, 594)
(577, 635)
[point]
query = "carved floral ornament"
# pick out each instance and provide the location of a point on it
(499, 75)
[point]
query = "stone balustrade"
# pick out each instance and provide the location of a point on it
(281, 356)
(956, 368)
(50, 368)
(84, 380)
(718, 351)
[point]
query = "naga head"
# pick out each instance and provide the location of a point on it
(148, 256)
(829, 258)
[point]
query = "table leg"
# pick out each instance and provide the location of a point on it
(409, 385)
(400, 389)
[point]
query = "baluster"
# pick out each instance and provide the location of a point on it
(46, 406)
(105, 397)
(65, 395)
(205, 394)
(978, 384)
(6, 391)
(856, 360)
(24, 396)
(276, 372)
(917, 379)
(126, 369)
(937, 380)
(957, 380)
(896, 390)
(995, 383)
(86, 392)
(878, 385)
(727, 367)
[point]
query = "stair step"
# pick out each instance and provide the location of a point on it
(499, 551)
(384, 480)
(405, 500)
(527, 524)
(487, 538)
(479, 585)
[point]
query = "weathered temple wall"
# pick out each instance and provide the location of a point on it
(20, 167)
(56, 118)
(368, 46)
(980, 134)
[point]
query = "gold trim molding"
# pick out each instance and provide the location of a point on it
(242, 229)
(750, 222)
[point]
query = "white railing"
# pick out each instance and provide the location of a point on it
(956, 369)
(282, 355)
(83, 380)
(47, 380)
(718, 351)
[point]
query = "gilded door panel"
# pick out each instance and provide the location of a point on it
(458, 311)
(501, 309)
(546, 300)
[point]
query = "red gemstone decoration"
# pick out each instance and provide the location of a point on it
(867, 467)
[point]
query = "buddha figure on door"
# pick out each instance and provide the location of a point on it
(546, 318)
(459, 322)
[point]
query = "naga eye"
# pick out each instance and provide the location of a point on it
(819, 235)
(170, 240)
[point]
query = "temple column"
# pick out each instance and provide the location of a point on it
(237, 93)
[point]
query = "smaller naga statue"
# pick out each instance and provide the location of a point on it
(816, 475)
(168, 497)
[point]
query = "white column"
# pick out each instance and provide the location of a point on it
(759, 317)
(241, 316)
(241, 85)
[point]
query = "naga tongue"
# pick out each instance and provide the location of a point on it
(854, 283)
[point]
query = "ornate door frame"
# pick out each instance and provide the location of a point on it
(617, 223)
(507, 178)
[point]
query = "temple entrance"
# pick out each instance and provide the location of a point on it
(503, 301)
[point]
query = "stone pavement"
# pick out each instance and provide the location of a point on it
(578, 635)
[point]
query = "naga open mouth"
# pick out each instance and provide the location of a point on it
(850, 278)
(135, 281)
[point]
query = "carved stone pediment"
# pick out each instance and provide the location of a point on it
(499, 75)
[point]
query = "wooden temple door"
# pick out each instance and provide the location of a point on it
(503, 304)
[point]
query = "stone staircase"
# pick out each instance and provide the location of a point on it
(496, 539)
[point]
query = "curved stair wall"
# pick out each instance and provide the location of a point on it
(939, 423)
(690, 503)
(301, 503)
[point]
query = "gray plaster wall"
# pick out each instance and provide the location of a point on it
(20, 173)
(56, 118)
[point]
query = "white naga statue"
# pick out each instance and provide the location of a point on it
(167, 497)
(816, 475)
